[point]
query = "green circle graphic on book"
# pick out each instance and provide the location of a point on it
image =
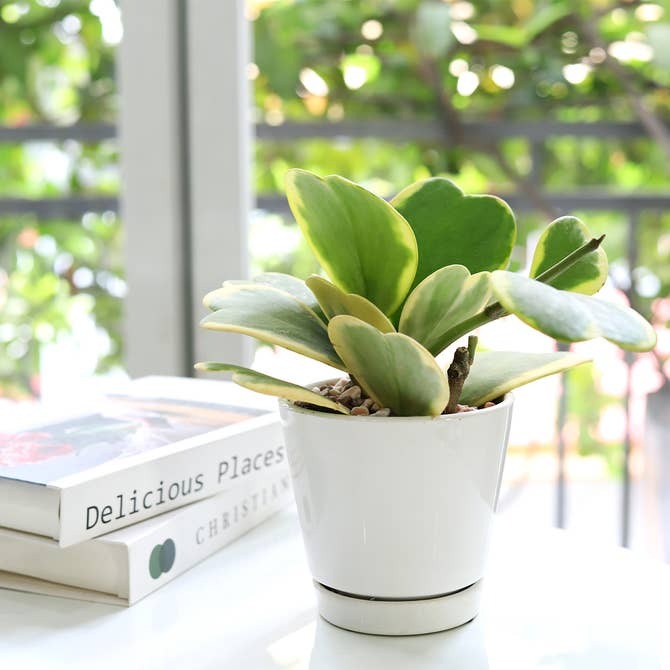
(162, 558)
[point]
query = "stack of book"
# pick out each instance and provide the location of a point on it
(112, 501)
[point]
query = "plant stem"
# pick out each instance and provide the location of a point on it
(562, 265)
(457, 374)
(496, 310)
(472, 348)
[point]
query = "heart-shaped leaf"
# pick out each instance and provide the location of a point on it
(559, 240)
(362, 242)
(440, 302)
(495, 373)
(477, 231)
(395, 370)
(272, 316)
(335, 301)
(257, 381)
(571, 317)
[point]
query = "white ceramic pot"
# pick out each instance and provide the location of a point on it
(396, 512)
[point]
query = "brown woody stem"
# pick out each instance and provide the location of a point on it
(457, 374)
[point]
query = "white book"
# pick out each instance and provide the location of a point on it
(161, 443)
(124, 566)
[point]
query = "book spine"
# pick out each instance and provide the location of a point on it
(118, 499)
(199, 530)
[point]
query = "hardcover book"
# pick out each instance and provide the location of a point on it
(124, 566)
(162, 443)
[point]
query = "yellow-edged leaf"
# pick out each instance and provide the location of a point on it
(440, 302)
(363, 243)
(560, 239)
(335, 301)
(290, 284)
(451, 228)
(257, 381)
(395, 370)
(571, 317)
(495, 373)
(272, 316)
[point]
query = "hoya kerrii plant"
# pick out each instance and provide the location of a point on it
(406, 279)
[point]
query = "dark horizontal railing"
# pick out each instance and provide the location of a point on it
(69, 207)
(402, 129)
(534, 131)
(83, 132)
(579, 200)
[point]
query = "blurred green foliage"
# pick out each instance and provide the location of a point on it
(56, 67)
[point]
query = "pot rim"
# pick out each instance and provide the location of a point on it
(506, 402)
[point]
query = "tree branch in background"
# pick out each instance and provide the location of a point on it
(453, 125)
(657, 130)
(446, 112)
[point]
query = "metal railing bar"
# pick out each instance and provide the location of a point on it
(632, 259)
(84, 132)
(75, 206)
(633, 202)
(561, 479)
(56, 208)
(434, 131)
(381, 129)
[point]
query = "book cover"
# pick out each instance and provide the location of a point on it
(125, 565)
(161, 443)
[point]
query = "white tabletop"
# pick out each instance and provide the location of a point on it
(550, 601)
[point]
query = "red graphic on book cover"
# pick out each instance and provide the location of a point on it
(122, 427)
(30, 447)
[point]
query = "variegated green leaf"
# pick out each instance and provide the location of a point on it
(396, 371)
(441, 301)
(257, 381)
(451, 228)
(362, 242)
(287, 283)
(290, 284)
(571, 317)
(272, 316)
(559, 240)
(334, 301)
(495, 373)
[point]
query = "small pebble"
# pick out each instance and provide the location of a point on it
(362, 410)
(384, 411)
(353, 393)
(489, 404)
(368, 402)
(464, 408)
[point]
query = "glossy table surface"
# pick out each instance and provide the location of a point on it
(550, 601)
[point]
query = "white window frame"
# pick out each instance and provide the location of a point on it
(185, 143)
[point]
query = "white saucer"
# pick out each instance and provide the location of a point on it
(398, 617)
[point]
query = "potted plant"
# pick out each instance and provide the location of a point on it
(395, 478)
